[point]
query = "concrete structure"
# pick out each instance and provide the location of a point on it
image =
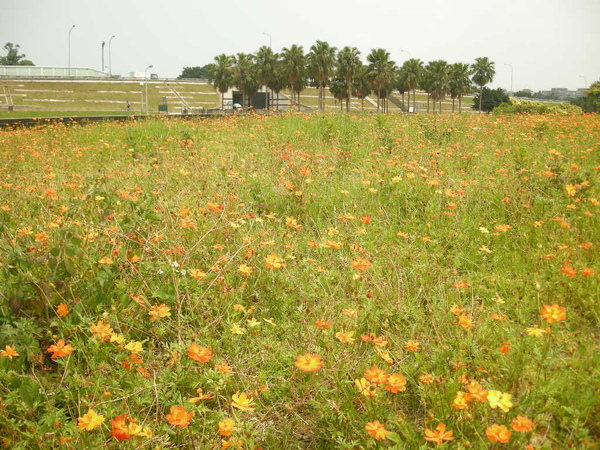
(49, 72)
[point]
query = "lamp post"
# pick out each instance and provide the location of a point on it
(408, 53)
(109, 58)
(584, 81)
(71, 29)
(511, 78)
(270, 39)
(102, 66)
(146, 73)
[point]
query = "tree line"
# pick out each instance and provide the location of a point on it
(345, 75)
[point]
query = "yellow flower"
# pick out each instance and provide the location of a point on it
(308, 362)
(243, 402)
(365, 387)
(345, 336)
(226, 427)
(500, 400)
(274, 262)
(90, 420)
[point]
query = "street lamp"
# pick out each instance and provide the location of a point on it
(584, 81)
(146, 73)
(270, 39)
(102, 66)
(407, 52)
(71, 29)
(511, 78)
(109, 58)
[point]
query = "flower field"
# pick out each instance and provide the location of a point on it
(301, 281)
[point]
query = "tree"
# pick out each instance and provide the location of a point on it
(195, 72)
(483, 73)
(348, 62)
(438, 81)
(381, 72)
(412, 69)
(245, 77)
(460, 83)
(590, 102)
(339, 90)
(488, 99)
(221, 74)
(13, 58)
(294, 62)
(266, 66)
(321, 59)
(361, 87)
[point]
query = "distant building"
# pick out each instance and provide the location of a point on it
(562, 93)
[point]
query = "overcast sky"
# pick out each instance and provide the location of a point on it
(548, 43)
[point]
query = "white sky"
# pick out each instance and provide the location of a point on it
(549, 43)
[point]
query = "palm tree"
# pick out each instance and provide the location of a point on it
(361, 87)
(483, 73)
(321, 61)
(339, 90)
(381, 72)
(245, 77)
(295, 67)
(438, 81)
(460, 83)
(266, 65)
(413, 70)
(402, 85)
(221, 74)
(348, 62)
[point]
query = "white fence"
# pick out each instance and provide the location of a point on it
(49, 72)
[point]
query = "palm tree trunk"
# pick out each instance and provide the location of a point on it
(427, 103)
(460, 104)
(453, 100)
(480, 98)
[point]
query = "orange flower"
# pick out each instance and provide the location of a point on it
(376, 430)
(411, 346)
(522, 424)
(376, 375)
(243, 402)
(396, 383)
(439, 435)
(462, 284)
(245, 270)
(461, 400)
(179, 417)
(200, 354)
(274, 262)
(322, 324)
(9, 352)
(505, 347)
(197, 274)
(477, 392)
(102, 331)
(226, 427)
(223, 368)
(587, 272)
(60, 349)
(308, 363)
(158, 311)
(568, 270)
(361, 263)
(89, 421)
(62, 310)
(201, 396)
(124, 426)
(553, 313)
(426, 378)
(465, 321)
(498, 433)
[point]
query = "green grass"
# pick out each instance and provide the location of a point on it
(452, 231)
(104, 96)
